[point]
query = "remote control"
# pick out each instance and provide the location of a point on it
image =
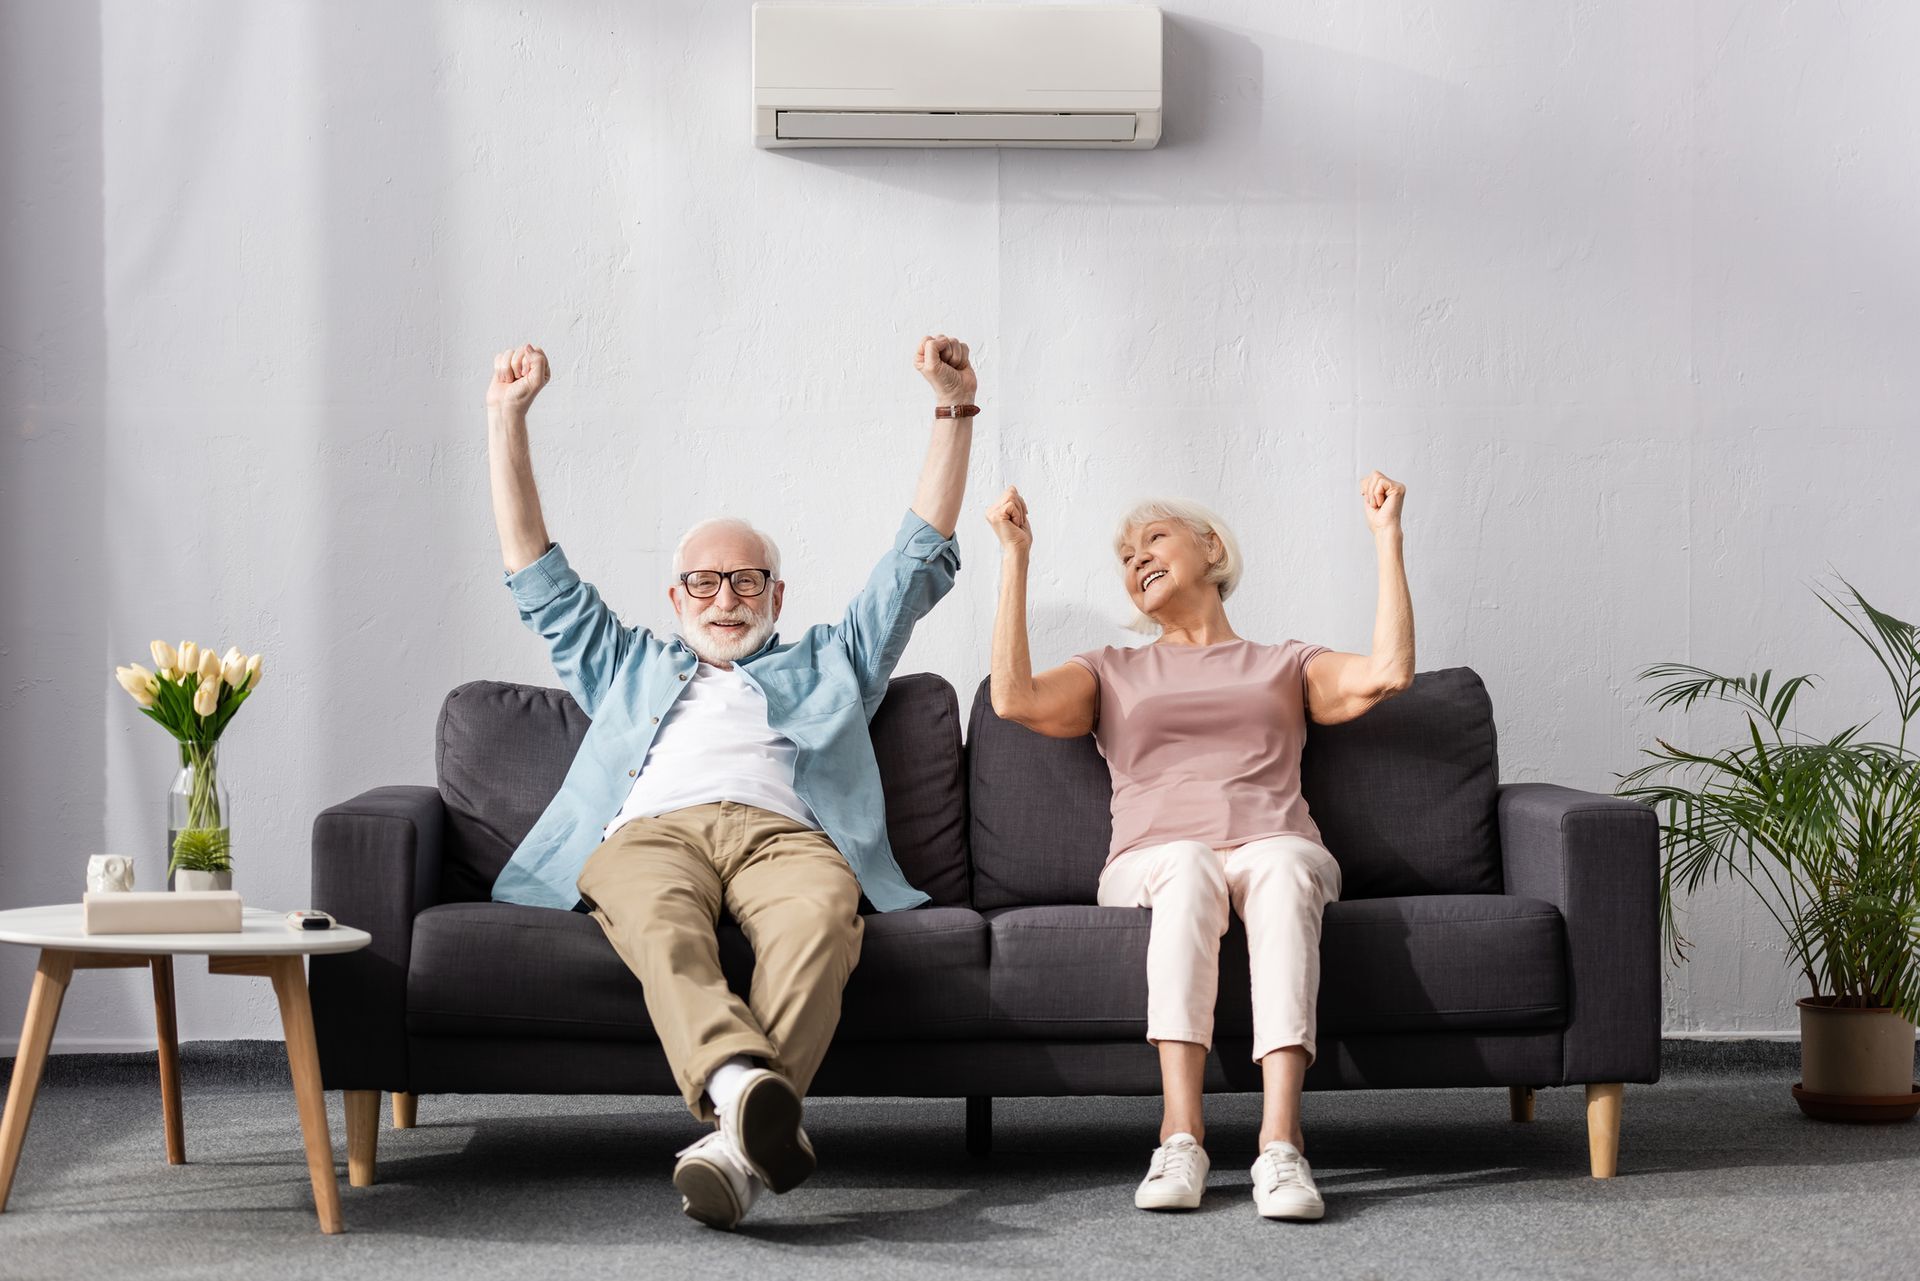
(309, 920)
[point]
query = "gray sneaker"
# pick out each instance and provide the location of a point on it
(1283, 1184)
(716, 1187)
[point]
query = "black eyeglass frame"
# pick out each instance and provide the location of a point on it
(726, 576)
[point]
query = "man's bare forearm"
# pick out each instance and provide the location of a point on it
(943, 478)
(516, 502)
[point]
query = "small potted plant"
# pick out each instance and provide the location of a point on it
(1826, 832)
(193, 696)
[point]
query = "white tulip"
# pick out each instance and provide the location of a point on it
(234, 670)
(253, 671)
(209, 666)
(163, 655)
(137, 681)
(206, 699)
(189, 656)
(232, 656)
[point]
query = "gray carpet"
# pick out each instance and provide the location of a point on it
(1720, 1177)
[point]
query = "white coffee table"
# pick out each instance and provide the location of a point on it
(265, 946)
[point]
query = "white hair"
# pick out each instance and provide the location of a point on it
(1201, 521)
(768, 551)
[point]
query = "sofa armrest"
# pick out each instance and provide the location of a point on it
(376, 864)
(1597, 859)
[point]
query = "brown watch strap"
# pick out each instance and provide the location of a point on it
(955, 411)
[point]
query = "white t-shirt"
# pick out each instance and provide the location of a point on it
(715, 745)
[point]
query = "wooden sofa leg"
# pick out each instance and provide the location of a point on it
(1520, 1102)
(406, 1111)
(979, 1124)
(1603, 1128)
(363, 1134)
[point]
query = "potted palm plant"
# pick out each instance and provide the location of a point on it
(1826, 833)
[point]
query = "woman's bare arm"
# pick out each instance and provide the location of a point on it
(1342, 686)
(1060, 702)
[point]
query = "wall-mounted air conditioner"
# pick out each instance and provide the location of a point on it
(966, 75)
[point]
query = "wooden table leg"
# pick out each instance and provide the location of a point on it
(363, 1135)
(43, 1011)
(168, 1034)
(406, 1111)
(303, 1059)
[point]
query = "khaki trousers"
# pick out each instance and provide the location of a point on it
(657, 887)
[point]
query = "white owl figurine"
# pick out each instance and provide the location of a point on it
(108, 873)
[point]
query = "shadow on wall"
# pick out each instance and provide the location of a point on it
(53, 341)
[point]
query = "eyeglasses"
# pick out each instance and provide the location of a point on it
(704, 583)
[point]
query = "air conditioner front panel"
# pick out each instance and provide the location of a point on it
(985, 60)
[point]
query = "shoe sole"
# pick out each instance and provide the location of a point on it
(707, 1195)
(1163, 1206)
(1297, 1213)
(770, 1135)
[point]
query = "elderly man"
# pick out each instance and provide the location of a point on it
(725, 769)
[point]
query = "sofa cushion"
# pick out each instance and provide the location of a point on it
(1040, 812)
(506, 970)
(1455, 962)
(916, 740)
(503, 751)
(1403, 796)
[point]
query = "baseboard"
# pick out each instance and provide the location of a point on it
(10, 1045)
(1730, 1036)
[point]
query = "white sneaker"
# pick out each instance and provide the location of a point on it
(763, 1124)
(1177, 1177)
(1283, 1184)
(716, 1187)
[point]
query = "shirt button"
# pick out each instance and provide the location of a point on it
(633, 773)
(656, 720)
(683, 676)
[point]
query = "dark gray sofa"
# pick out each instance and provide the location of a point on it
(1487, 934)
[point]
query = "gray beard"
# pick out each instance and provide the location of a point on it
(712, 645)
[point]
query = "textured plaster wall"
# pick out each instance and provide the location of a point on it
(1624, 292)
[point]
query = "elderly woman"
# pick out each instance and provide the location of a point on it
(1202, 732)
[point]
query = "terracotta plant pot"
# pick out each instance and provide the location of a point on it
(1856, 1063)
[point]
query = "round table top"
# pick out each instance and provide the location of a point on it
(262, 933)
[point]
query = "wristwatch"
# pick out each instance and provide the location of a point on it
(955, 411)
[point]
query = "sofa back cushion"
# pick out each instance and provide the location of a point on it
(503, 751)
(1403, 796)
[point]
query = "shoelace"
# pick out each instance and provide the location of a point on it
(1175, 1161)
(1279, 1167)
(704, 1141)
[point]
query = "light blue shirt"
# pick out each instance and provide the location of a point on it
(821, 691)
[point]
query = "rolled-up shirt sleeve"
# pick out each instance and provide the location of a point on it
(585, 640)
(905, 585)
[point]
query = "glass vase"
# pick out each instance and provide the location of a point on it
(199, 848)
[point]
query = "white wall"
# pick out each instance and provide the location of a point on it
(1625, 293)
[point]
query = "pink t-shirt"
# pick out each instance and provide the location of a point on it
(1203, 741)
